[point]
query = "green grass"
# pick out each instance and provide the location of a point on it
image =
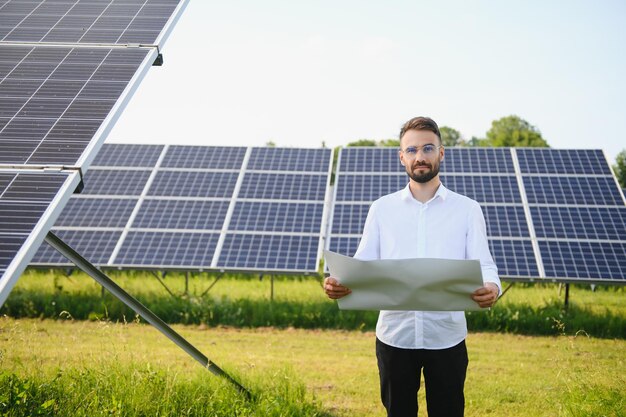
(69, 367)
(244, 301)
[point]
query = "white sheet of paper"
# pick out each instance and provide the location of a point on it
(423, 284)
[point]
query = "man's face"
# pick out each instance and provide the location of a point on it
(420, 166)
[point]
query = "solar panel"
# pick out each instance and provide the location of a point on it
(127, 22)
(349, 218)
(485, 189)
(599, 223)
(60, 93)
(555, 211)
(514, 258)
(43, 128)
(477, 160)
(95, 245)
(194, 184)
(250, 252)
(96, 212)
(181, 215)
(562, 161)
(572, 190)
(605, 261)
(367, 187)
(202, 195)
(278, 186)
(167, 250)
(28, 202)
(128, 155)
(506, 221)
(344, 245)
(277, 217)
(204, 157)
(119, 182)
(288, 159)
(369, 160)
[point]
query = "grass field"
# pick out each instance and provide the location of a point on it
(69, 367)
(65, 349)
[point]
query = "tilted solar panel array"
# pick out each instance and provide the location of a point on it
(67, 69)
(578, 213)
(199, 208)
(543, 219)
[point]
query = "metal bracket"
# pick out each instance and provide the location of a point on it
(158, 60)
(140, 309)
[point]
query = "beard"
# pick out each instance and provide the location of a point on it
(425, 177)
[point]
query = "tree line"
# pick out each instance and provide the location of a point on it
(509, 131)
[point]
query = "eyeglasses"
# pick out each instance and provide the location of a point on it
(427, 150)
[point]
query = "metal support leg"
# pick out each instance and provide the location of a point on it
(272, 287)
(140, 309)
(566, 296)
(217, 278)
(156, 275)
(186, 283)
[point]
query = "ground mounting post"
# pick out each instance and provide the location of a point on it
(140, 309)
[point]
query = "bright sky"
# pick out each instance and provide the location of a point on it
(245, 72)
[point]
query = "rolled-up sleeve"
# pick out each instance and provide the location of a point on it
(478, 248)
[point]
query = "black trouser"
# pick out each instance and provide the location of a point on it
(444, 376)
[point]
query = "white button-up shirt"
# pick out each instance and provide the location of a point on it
(449, 226)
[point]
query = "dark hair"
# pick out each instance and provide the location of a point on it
(421, 123)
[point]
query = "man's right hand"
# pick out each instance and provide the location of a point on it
(334, 289)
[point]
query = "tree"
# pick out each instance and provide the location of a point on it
(363, 142)
(514, 131)
(450, 136)
(395, 143)
(390, 143)
(620, 168)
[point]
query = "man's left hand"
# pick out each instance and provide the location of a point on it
(486, 296)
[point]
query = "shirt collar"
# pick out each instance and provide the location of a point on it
(442, 192)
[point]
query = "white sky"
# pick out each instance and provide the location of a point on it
(243, 73)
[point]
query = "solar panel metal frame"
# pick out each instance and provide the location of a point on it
(28, 249)
(351, 238)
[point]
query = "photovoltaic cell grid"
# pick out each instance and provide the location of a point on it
(128, 155)
(96, 212)
(486, 175)
(180, 204)
(289, 159)
(569, 213)
(54, 99)
(579, 220)
(94, 245)
(204, 157)
(562, 161)
(83, 22)
(25, 196)
(189, 198)
(60, 92)
(281, 200)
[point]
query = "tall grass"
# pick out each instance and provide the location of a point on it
(244, 301)
(141, 390)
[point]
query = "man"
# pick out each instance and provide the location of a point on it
(424, 220)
